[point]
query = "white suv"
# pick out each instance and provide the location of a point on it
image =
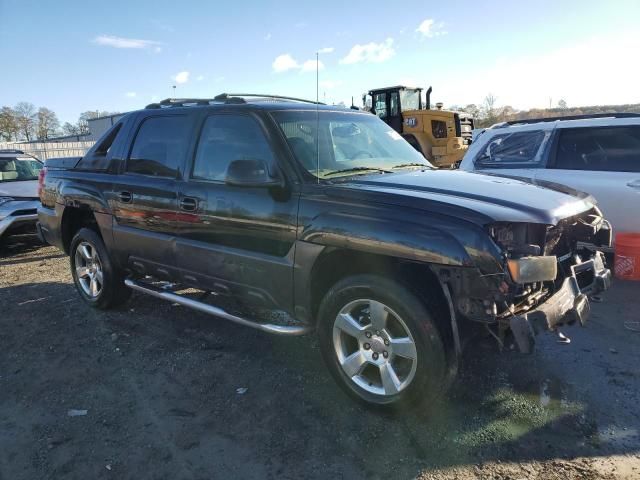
(597, 154)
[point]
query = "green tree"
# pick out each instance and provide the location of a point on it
(8, 124)
(83, 121)
(70, 129)
(47, 123)
(26, 119)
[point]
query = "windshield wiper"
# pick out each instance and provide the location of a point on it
(403, 165)
(358, 169)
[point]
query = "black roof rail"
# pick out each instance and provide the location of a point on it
(180, 102)
(12, 150)
(233, 96)
(569, 117)
(222, 98)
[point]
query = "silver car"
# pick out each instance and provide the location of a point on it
(18, 192)
(598, 154)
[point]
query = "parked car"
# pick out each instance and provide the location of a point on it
(355, 236)
(18, 192)
(598, 154)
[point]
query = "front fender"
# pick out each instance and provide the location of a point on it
(426, 242)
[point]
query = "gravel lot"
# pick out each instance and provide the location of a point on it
(163, 388)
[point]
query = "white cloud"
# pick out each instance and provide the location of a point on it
(121, 42)
(310, 66)
(326, 50)
(429, 28)
(284, 62)
(267, 36)
(329, 84)
(181, 77)
(525, 82)
(370, 53)
(130, 94)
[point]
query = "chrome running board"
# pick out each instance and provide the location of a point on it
(216, 311)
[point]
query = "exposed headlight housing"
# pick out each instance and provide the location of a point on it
(533, 269)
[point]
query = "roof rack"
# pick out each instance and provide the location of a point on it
(12, 150)
(227, 98)
(234, 96)
(568, 117)
(180, 102)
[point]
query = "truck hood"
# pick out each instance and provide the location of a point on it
(27, 189)
(477, 197)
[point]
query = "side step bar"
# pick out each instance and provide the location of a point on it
(218, 312)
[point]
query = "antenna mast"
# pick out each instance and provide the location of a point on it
(317, 117)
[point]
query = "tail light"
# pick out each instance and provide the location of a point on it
(41, 175)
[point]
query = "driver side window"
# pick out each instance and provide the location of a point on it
(225, 138)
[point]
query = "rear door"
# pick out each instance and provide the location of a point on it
(605, 162)
(144, 196)
(232, 239)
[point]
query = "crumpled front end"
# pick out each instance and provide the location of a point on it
(543, 277)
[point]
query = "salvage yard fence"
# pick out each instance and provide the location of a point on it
(46, 150)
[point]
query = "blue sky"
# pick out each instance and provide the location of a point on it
(73, 56)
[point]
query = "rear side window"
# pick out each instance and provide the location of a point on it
(519, 149)
(100, 157)
(611, 149)
(160, 146)
(226, 138)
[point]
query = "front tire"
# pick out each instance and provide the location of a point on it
(380, 342)
(95, 277)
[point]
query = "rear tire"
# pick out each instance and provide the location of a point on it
(97, 280)
(380, 343)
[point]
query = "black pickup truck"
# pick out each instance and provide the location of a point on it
(326, 214)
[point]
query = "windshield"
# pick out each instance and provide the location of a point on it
(19, 169)
(349, 143)
(410, 100)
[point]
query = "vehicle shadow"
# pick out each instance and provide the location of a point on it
(185, 378)
(20, 245)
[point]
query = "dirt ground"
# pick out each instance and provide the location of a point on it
(164, 393)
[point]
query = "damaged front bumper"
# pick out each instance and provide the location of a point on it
(567, 306)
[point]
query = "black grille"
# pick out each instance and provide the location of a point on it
(18, 213)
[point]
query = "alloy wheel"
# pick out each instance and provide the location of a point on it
(89, 269)
(374, 347)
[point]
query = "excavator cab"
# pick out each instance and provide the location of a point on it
(441, 136)
(389, 103)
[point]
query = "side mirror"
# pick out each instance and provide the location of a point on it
(251, 173)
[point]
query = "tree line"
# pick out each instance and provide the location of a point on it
(489, 112)
(25, 122)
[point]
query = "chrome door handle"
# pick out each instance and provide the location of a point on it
(189, 204)
(125, 197)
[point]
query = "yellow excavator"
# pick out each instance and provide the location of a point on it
(442, 136)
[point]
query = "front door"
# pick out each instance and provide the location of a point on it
(605, 162)
(144, 195)
(236, 240)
